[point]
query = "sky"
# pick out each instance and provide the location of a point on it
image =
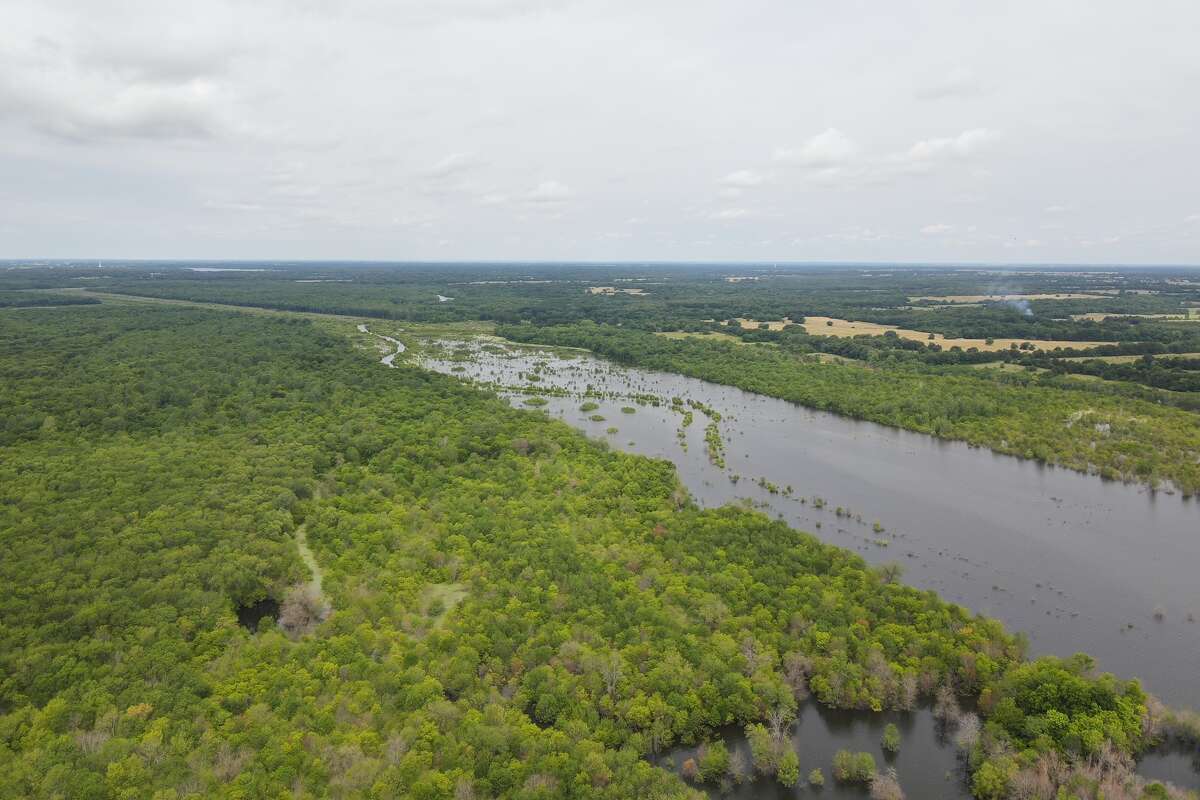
(1056, 131)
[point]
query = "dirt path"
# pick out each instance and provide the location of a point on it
(310, 561)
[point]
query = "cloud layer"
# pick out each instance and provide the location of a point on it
(599, 129)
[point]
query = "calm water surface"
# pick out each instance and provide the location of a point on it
(927, 765)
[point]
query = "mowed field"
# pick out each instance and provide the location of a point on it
(1184, 315)
(832, 326)
(710, 335)
(1130, 359)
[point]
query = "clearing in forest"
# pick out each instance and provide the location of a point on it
(1131, 358)
(1001, 298)
(755, 324)
(710, 335)
(1184, 315)
(832, 326)
(611, 290)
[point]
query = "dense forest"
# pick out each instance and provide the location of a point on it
(509, 610)
(665, 297)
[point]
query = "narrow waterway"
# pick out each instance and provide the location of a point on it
(1073, 562)
(389, 359)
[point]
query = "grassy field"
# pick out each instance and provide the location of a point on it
(710, 335)
(753, 324)
(1185, 315)
(1129, 359)
(832, 326)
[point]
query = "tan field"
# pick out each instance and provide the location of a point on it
(998, 298)
(710, 335)
(1129, 359)
(1186, 315)
(831, 326)
(610, 290)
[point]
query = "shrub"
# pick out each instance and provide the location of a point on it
(714, 760)
(885, 786)
(891, 738)
(789, 768)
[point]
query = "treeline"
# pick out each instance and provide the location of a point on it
(31, 300)
(1173, 374)
(673, 297)
(518, 612)
(1116, 436)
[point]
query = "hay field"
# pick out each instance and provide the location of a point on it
(1130, 359)
(1185, 315)
(710, 335)
(831, 326)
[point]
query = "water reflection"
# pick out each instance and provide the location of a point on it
(927, 763)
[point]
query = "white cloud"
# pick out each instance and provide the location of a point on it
(964, 144)
(936, 229)
(743, 178)
(548, 193)
(828, 148)
(452, 165)
(91, 98)
(372, 107)
(1055, 209)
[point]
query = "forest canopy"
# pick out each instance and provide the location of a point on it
(517, 611)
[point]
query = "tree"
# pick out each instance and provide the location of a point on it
(302, 610)
(739, 770)
(610, 666)
(886, 786)
(991, 781)
(789, 768)
(890, 572)
(891, 738)
(764, 752)
(714, 760)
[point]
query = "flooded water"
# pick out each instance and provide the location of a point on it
(927, 764)
(1073, 562)
(249, 616)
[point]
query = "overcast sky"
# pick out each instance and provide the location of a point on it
(597, 129)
